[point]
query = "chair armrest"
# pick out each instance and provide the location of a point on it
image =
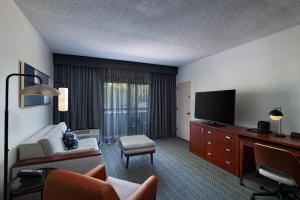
(98, 172)
(62, 184)
(147, 191)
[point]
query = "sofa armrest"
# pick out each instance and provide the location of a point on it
(56, 158)
(80, 163)
(76, 151)
(147, 191)
(98, 172)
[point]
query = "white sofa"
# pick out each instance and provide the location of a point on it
(46, 149)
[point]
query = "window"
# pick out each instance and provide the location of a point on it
(126, 110)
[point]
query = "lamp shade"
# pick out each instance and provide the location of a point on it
(276, 115)
(63, 99)
(40, 90)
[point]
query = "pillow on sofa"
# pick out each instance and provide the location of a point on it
(52, 142)
(62, 126)
(70, 140)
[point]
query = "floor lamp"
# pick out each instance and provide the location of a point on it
(35, 90)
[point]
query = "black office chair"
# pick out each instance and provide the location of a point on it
(278, 165)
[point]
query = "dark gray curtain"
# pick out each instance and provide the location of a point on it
(126, 104)
(118, 102)
(84, 84)
(162, 105)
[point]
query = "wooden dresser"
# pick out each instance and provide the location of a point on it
(231, 147)
(217, 145)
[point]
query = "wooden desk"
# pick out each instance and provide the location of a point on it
(247, 139)
(231, 147)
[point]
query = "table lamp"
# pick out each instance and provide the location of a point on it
(277, 115)
(63, 99)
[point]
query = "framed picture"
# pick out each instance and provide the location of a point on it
(26, 101)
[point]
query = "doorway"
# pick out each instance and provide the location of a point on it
(183, 110)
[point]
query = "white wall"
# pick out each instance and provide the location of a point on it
(265, 73)
(20, 42)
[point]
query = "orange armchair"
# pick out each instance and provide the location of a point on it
(95, 185)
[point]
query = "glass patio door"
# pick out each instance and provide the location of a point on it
(126, 110)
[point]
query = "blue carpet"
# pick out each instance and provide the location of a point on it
(182, 175)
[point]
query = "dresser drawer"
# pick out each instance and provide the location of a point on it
(210, 143)
(210, 134)
(226, 138)
(211, 156)
(227, 150)
(228, 163)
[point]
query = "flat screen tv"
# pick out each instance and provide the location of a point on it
(216, 106)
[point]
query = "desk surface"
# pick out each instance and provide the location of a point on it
(268, 138)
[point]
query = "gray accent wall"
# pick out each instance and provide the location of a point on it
(265, 73)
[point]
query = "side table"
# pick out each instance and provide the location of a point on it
(19, 188)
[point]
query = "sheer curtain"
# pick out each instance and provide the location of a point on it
(126, 104)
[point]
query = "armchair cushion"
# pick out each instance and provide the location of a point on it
(94, 185)
(147, 191)
(123, 188)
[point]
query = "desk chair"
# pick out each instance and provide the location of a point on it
(95, 185)
(278, 165)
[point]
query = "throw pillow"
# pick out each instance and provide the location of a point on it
(70, 140)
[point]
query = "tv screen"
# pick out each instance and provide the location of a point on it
(217, 106)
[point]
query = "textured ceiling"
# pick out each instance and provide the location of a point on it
(170, 32)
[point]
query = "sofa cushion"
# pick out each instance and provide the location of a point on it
(52, 142)
(31, 148)
(88, 143)
(62, 127)
(136, 142)
(138, 151)
(123, 188)
(76, 151)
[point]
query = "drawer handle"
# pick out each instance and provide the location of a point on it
(209, 132)
(227, 149)
(228, 137)
(228, 162)
(209, 143)
(209, 154)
